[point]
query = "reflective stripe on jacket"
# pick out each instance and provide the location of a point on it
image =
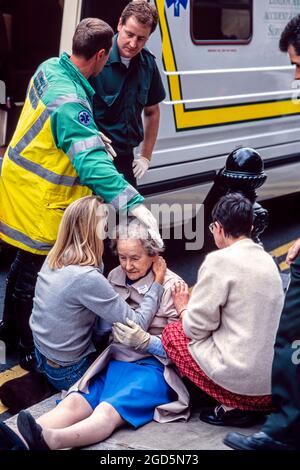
(55, 157)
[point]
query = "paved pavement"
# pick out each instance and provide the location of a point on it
(191, 435)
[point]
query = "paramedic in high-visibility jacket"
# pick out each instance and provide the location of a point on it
(56, 156)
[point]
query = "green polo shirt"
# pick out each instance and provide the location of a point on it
(121, 95)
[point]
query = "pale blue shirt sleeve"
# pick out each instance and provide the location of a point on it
(155, 347)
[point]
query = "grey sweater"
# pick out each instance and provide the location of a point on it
(67, 303)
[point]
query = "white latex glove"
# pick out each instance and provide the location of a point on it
(144, 215)
(140, 166)
(111, 153)
(132, 335)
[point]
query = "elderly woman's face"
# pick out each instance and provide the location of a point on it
(133, 258)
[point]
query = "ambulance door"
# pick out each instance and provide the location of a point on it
(107, 11)
(29, 34)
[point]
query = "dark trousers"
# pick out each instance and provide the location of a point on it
(123, 163)
(284, 423)
(18, 302)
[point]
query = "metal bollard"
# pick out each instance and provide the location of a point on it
(243, 173)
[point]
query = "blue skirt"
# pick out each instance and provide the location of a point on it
(134, 389)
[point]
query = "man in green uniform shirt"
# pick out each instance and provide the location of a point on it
(129, 84)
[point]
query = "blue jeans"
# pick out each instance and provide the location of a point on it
(62, 378)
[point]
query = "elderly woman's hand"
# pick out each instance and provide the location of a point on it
(180, 296)
(159, 268)
(293, 252)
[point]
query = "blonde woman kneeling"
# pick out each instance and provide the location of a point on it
(71, 293)
(132, 381)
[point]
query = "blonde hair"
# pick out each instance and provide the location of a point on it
(79, 240)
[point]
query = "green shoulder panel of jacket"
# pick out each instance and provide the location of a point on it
(76, 133)
(68, 98)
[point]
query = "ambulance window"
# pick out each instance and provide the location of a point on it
(221, 21)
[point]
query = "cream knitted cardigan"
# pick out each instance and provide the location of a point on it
(233, 315)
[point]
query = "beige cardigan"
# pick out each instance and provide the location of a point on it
(233, 315)
(133, 294)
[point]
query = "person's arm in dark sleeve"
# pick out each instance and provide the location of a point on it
(152, 113)
(157, 91)
(151, 125)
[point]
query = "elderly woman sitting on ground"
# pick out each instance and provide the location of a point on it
(132, 381)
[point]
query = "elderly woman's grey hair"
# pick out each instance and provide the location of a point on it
(133, 228)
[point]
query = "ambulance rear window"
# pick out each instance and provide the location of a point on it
(221, 21)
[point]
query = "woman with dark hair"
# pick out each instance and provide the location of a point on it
(225, 341)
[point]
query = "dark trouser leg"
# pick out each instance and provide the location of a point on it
(9, 330)
(284, 423)
(123, 163)
(29, 266)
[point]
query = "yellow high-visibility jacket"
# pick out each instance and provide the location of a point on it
(55, 157)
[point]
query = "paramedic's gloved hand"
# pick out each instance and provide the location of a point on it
(144, 215)
(140, 166)
(131, 335)
(111, 153)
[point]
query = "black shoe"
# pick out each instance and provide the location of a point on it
(31, 431)
(219, 416)
(9, 440)
(257, 441)
(27, 360)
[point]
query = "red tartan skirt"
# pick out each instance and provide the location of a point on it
(175, 343)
